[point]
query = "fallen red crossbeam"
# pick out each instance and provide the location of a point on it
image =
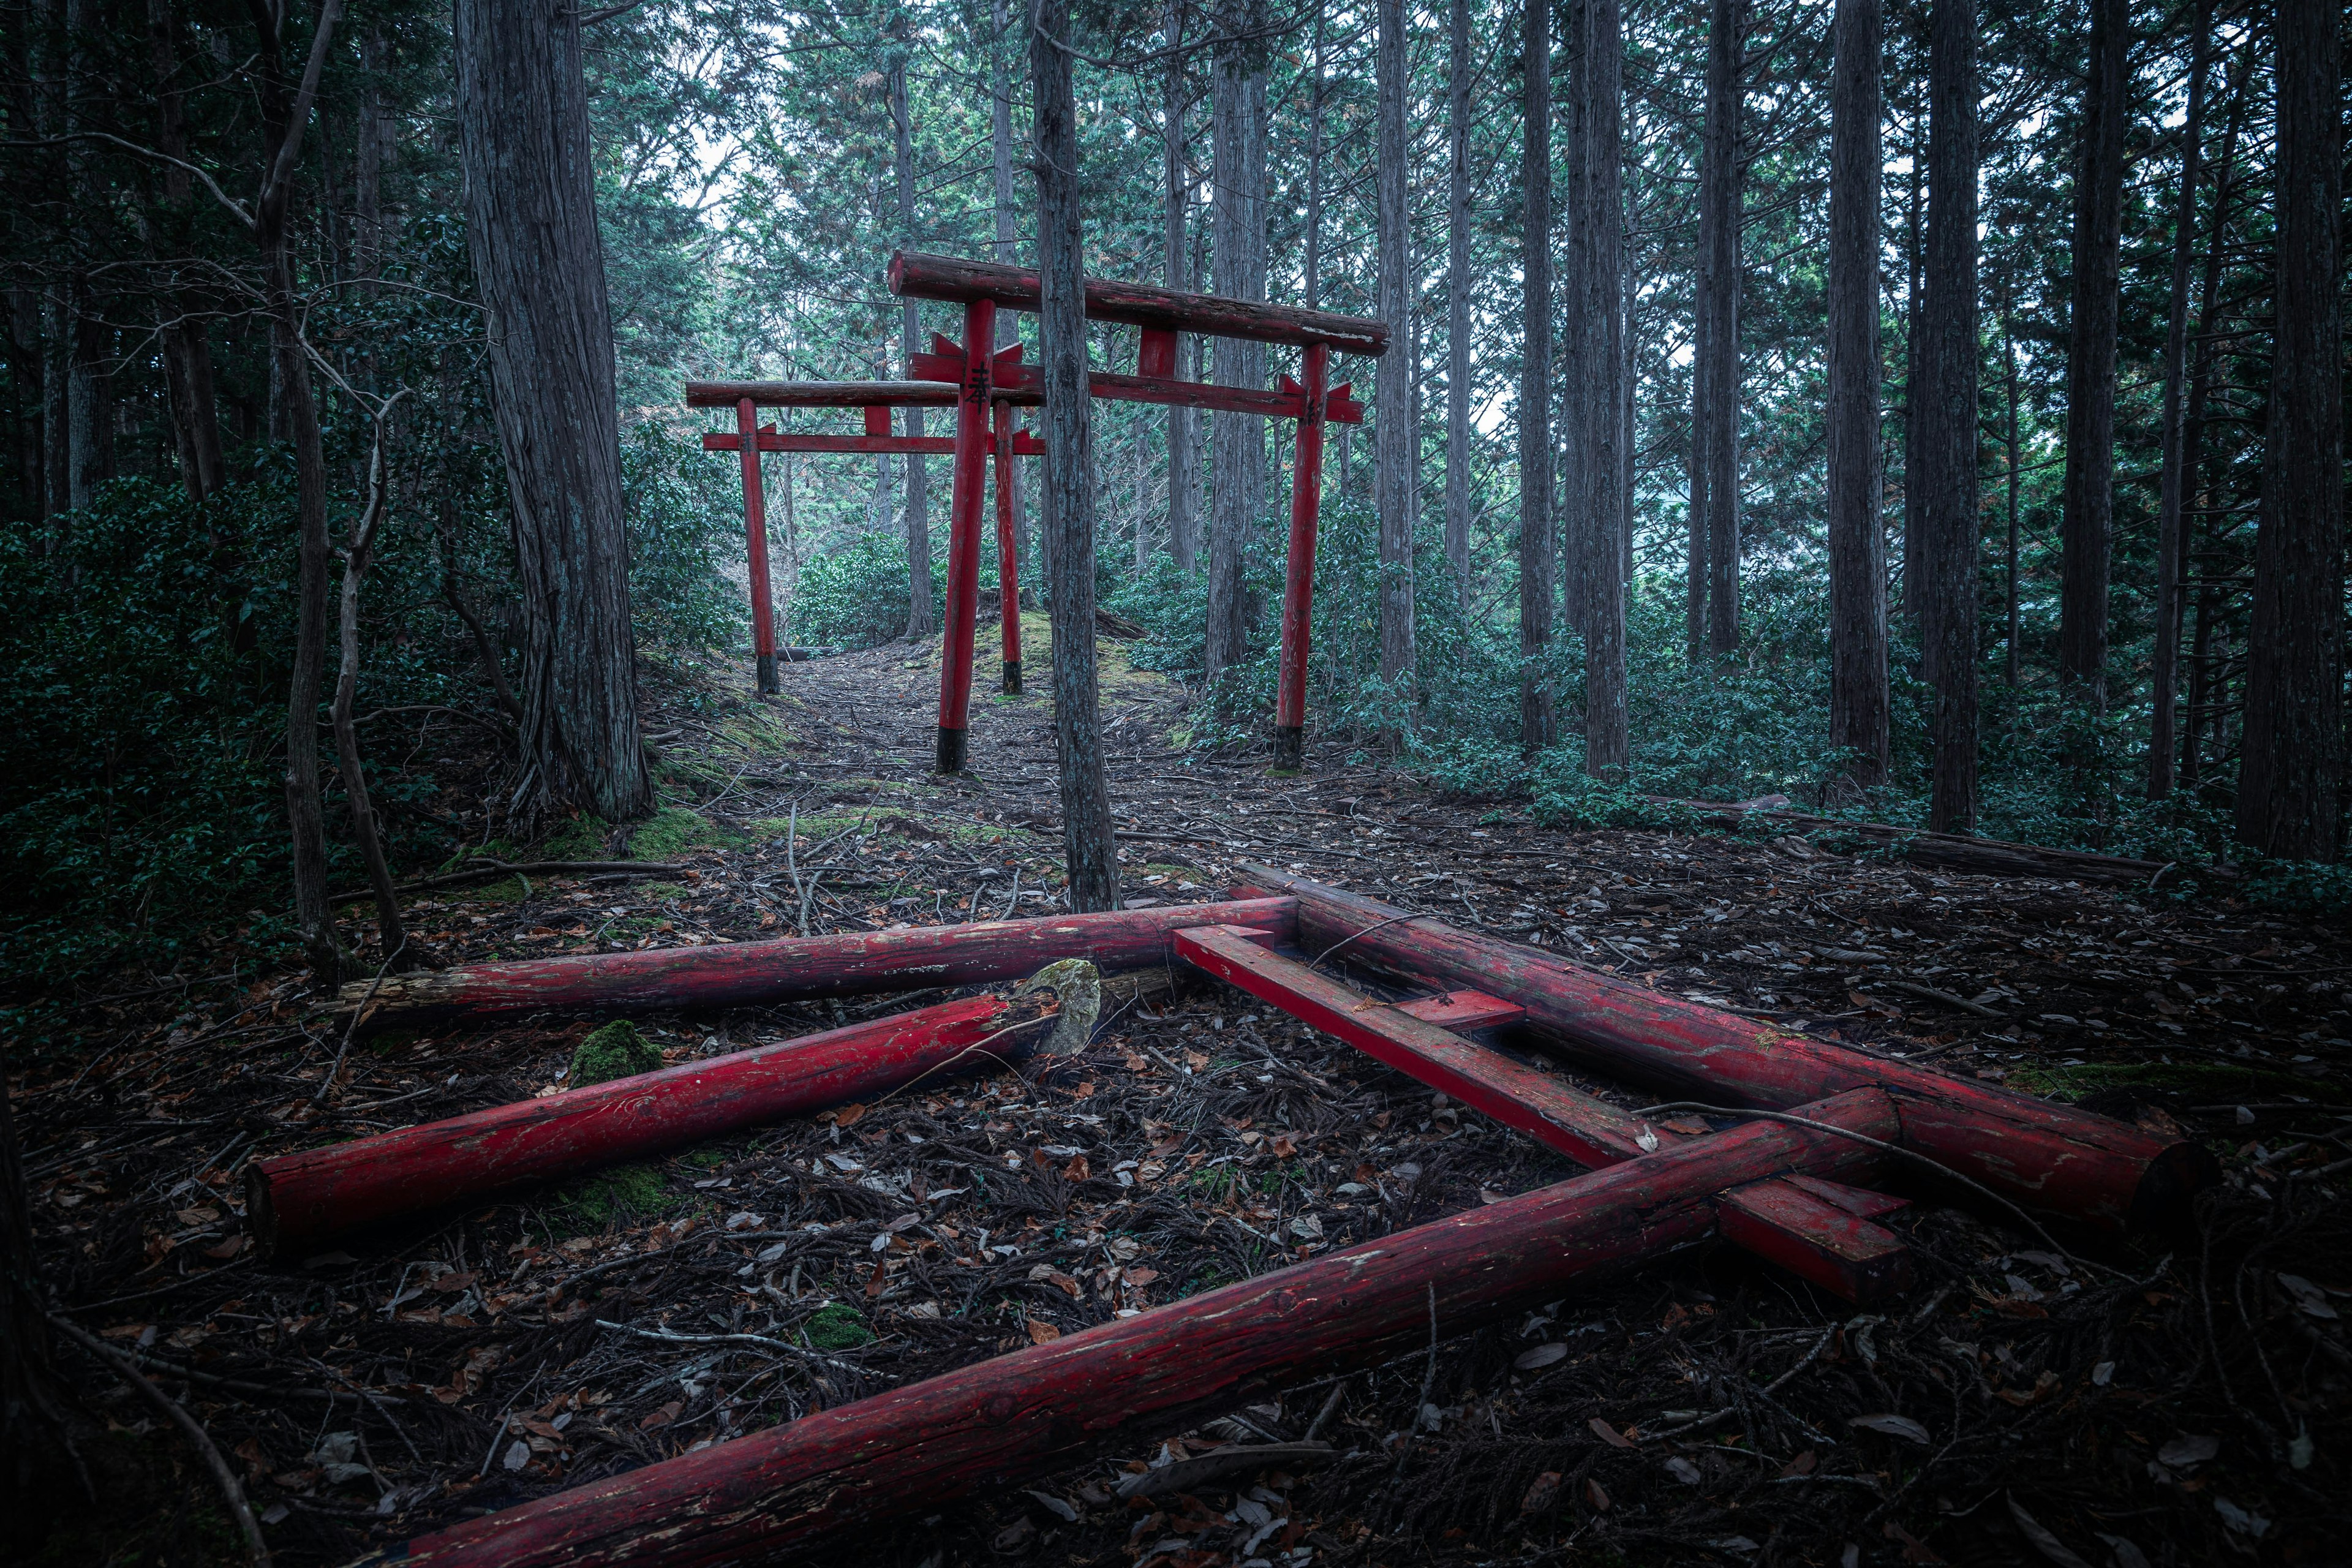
(1000, 1423)
(745, 974)
(1818, 1240)
(2076, 1166)
(295, 1201)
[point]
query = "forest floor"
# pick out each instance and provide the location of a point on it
(2176, 1400)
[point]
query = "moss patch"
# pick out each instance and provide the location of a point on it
(674, 828)
(616, 1050)
(624, 1192)
(837, 1327)
(2207, 1081)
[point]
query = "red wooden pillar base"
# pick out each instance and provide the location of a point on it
(1298, 583)
(755, 544)
(1008, 560)
(971, 443)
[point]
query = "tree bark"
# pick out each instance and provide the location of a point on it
(1536, 554)
(1184, 461)
(1088, 846)
(1600, 253)
(530, 211)
(1236, 441)
(1915, 253)
(1859, 718)
(2087, 521)
(1008, 251)
(911, 343)
(1716, 369)
(2291, 772)
(1460, 68)
(1395, 434)
(1947, 402)
(2171, 548)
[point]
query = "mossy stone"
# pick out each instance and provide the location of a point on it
(622, 1192)
(616, 1050)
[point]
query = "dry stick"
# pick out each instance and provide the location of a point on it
(390, 934)
(1428, 1381)
(357, 1014)
(1339, 1390)
(225, 1478)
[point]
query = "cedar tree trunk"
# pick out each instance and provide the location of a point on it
(531, 223)
(2289, 782)
(1859, 722)
(1536, 561)
(2086, 519)
(1068, 492)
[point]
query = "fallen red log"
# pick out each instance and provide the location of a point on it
(2069, 1164)
(1836, 1249)
(298, 1200)
(1003, 1422)
(917, 276)
(736, 975)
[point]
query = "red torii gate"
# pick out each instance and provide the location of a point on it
(981, 377)
(877, 398)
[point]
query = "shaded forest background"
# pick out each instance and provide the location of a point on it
(756, 164)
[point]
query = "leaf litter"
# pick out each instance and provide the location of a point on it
(2178, 1401)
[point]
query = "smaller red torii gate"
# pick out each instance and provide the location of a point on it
(982, 378)
(876, 398)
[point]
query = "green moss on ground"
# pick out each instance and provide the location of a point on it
(2207, 1080)
(622, 1193)
(616, 1050)
(837, 1327)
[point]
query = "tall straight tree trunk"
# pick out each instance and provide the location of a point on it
(530, 221)
(1392, 459)
(1314, 267)
(1069, 524)
(1600, 231)
(1236, 441)
(2226, 186)
(187, 349)
(2171, 549)
(1008, 251)
(1570, 376)
(2086, 519)
(1717, 416)
(1460, 68)
(1915, 254)
(1184, 463)
(911, 343)
(2015, 658)
(1859, 722)
(2293, 769)
(1536, 721)
(1948, 410)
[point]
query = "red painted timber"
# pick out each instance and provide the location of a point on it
(745, 974)
(755, 530)
(942, 445)
(1155, 355)
(878, 422)
(1116, 1387)
(1857, 1201)
(1829, 1247)
(967, 494)
(1783, 1223)
(823, 394)
(1298, 575)
(916, 275)
(1464, 1011)
(298, 1200)
(2068, 1163)
(1023, 385)
(1008, 555)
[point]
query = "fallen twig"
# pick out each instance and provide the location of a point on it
(232, 1491)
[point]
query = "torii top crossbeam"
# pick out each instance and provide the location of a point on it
(983, 377)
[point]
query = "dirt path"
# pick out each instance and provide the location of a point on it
(1208, 1141)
